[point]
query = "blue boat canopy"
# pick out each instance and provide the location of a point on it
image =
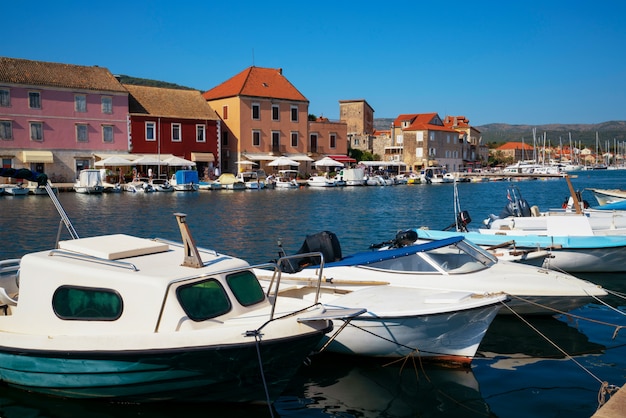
(369, 257)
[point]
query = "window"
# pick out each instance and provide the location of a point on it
(225, 138)
(225, 112)
(256, 111)
(82, 164)
(294, 113)
(245, 287)
(275, 141)
(5, 98)
(313, 142)
(34, 100)
(87, 304)
(333, 140)
(6, 130)
(36, 131)
(294, 139)
(82, 133)
(275, 112)
(80, 103)
(107, 104)
(107, 133)
(200, 133)
(203, 300)
(256, 138)
(150, 131)
(7, 163)
(176, 132)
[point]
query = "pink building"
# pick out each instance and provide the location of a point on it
(54, 117)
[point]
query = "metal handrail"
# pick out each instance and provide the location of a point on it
(90, 258)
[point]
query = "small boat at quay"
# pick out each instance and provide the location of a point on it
(15, 189)
(126, 318)
(436, 326)
(162, 185)
(600, 254)
(251, 180)
(608, 196)
(185, 181)
(435, 175)
(519, 218)
(320, 181)
(228, 181)
(286, 179)
(452, 264)
(89, 182)
(139, 186)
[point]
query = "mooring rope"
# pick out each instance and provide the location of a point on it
(258, 353)
(605, 388)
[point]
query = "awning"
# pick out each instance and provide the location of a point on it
(259, 156)
(203, 157)
(342, 158)
(37, 157)
(299, 157)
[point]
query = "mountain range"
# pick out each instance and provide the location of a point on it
(609, 133)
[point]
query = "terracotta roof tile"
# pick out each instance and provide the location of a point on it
(420, 122)
(515, 145)
(173, 103)
(50, 74)
(257, 82)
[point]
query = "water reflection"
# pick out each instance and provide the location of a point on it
(348, 387)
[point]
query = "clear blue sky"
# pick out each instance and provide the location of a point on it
(518, 62)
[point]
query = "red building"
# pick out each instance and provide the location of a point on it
(172, 121)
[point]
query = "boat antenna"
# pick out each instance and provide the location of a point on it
(192, 255)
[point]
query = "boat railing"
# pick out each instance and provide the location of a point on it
(9, 267)
(93, 259)
(285, 260)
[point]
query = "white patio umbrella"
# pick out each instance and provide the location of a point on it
(149, 160)
(281, 161)
(113, 161)
(179, 162)
(327, 162)
(245, 162)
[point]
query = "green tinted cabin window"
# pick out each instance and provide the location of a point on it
(88, 304)
(246, 288)
(203, 300)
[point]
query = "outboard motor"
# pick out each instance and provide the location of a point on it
(462, 220)
(404, 238)
(324, 242)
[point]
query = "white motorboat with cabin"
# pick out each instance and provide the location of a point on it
(131, 319)
(89, 182)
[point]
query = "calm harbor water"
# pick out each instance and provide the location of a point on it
(517, 373)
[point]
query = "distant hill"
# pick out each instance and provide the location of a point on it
(499, 133)
(135, 81)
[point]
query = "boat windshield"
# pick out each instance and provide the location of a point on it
(459, 257)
